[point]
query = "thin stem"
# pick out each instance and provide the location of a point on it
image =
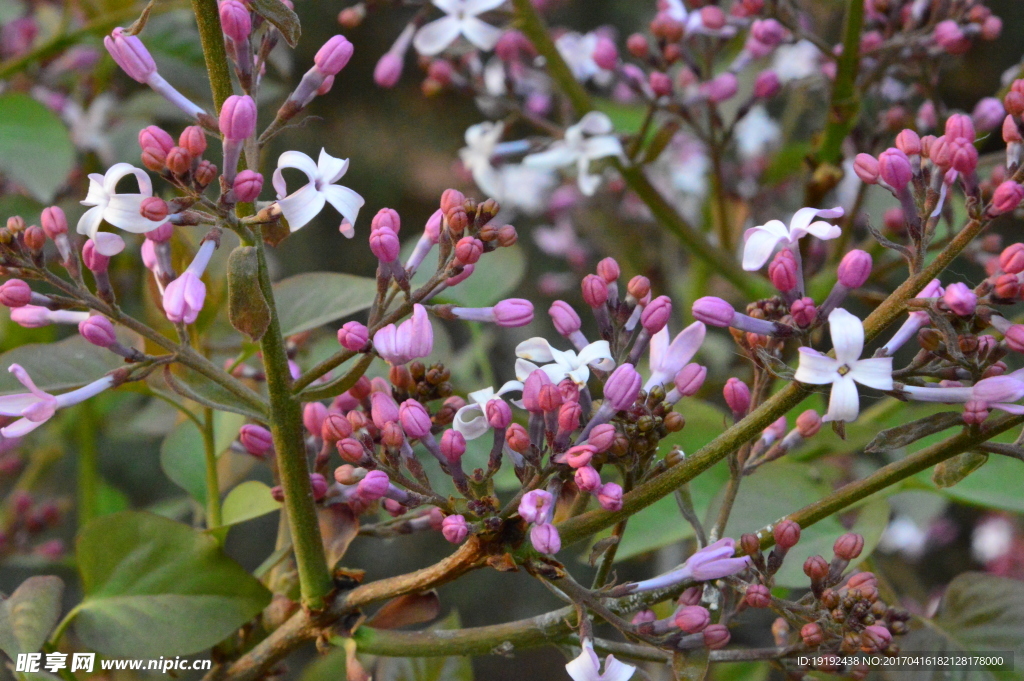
(88, 467)
(213, 515)
(212, 38)
(533, 27)
(844, 104)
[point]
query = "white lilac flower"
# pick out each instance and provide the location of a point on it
(304, 204)
(761, 241)
(471, 420)
(587, 667)
(481, 140)
(797, 61)
(120, 210)
(461, 19)
(589, 140)
(524, 189)
(667, 358)
(756, 134)
(36, 407)
(559, 364)
(577, 49)
(846, 369)
(90, 128)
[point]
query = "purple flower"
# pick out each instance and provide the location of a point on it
(412, 339)
(184, 297)
(36, 407)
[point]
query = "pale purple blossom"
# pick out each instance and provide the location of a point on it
(587, 666)
(589, 140)
(412, 339)
(304, 204)
(668, 358)
(559, 364)
(760, 242)
(184, 297)
(36, 406)
(460, 20)
(120, 210)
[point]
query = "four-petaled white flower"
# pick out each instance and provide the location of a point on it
(761, 241)
(304, 204)
(120, 210)
(36, 407)
(589, 140)
(587, 667)
(461, 20)
(471, 420)
(563, 363)
(481, 139)
(846, 369)
(577, 49)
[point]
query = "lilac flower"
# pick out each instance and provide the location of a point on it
(412, 339)
(133, 57)
(35, 316)
(589, 140)
(36, 407)
(563, 363)
(471, 420)
(120, 210)
(306, 203)
(577, 50)
(761, 241)
(711, 562)
(184, 297)
(587, 666)
(998, 392)
(481, 140)
(667, 359)
(846, 369)
(461, 20)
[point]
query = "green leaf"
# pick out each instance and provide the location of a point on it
(329, 667)
(313, 299)
(29, 615)
(428, 668)
(35, 147)
(226, 425)
(194, 386)
(979, 613)
(496, 275)
(277, 13)
(994, 485)
(952, 471)
(155, 587)
(249, 500)
(247, 308)
(110, 499)
(907, 433)
(55, 367)
(183, 460)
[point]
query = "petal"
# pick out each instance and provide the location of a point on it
(510, 386)
(587, 181)
(20, 428)
(847, 336)
(801, 220)
(329, 168)
(299, 161)
(824, 230)
(480, 397)
(658, 348)
(875, 372)
(597, 353)
(614, 670)
(844, 403)
(602, 147)
(474, 7)
(536, 350)
(558, 155)
(816, 368)
(579, 375)
(524, 369)
(449, 6)
(119, 171)
(556, 372)
(470, 421)
(480, 33)
(90, 221)
(280, 186)
(344, 200)
(14, 405)
(759, 246)
(684, 346)
(19, 373)
(437, 35)
(595, 123)
(302, 206)
(107, 244)
(97, 195)
(123, 212)
(585, 667)
(1008, 408)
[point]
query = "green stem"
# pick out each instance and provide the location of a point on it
(88, 469)
(212, 39)
(533, 27)
(844, 104)
(286, 427)
(213, 516)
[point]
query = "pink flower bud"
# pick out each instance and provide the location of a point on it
(758, 596)
(610, 496)
(15, 293)
(587, 479)
(661, 84)
(713, 311)
(353, 336)
(767, 85)
(988, 114)
(939, 152)
(608, 269)
(716, 636)
(155, 143)
(97, 329)
(580, 455)
(569, 416)
(93, 259)
(374, 485)
(319, 485)
(455, 529)
(383, 408)
(783, 271)
(462, 276)
(153, 208)
(386, 218)
(498, 413)
(737, 396)
(549, 398)
(595, 290)
(605, 54)
(350, 449)
(161, 234)
(415, 419)
(235, 20)
(130, 54)
(334, 55)
(238, 117)
(565, 319)
(787, 534)
(991, 28)
(690, 379)
(803, 312)
(601, 437)
(963, 157)
(950, 38)
(1006, 198)
(388, 71)
(513, 312)
(866, 168)
(692, 619)
(248, 185)
(622, 387)
(960, 299)
(894, 168)
(545, 539)
(1011, 131)
(385, 245)
(655, 314)
(808, 423)
(313, 415)
(768, 31)
(532, 389)
(453, 445)
(256, 440)
(848, 546)
(875, 638)
(908, 142)
(720, 88)
(335, 427)
(854, 269)
(960, 126)
(468, 250)
(535, 506)
(54, 221)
